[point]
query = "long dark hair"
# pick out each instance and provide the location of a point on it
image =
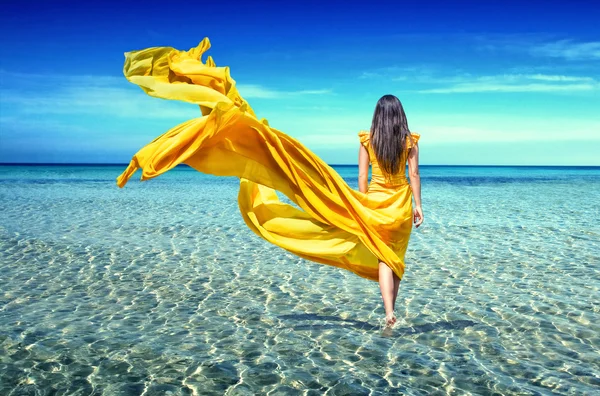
(389, 131)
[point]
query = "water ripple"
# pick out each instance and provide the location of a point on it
(160, 288)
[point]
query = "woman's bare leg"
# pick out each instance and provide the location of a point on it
(386, 284)
(396, 288)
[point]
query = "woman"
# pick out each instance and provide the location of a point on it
(386, 148)
(331, 223)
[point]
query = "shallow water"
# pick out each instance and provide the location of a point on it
(160, 287)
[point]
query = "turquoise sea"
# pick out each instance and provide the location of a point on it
(159, 288)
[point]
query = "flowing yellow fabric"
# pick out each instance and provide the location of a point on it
(336, 225)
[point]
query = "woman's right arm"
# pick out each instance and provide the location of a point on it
(363, 169)
(415, 183)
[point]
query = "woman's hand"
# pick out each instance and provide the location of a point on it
(417, 216)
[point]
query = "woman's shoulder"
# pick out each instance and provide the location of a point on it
(412, 140)
(364, 137)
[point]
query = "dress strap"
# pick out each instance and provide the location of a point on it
(415, 140)
(364, 138)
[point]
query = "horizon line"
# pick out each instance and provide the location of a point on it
(126, 164)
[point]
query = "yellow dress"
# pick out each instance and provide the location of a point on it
(335, 224)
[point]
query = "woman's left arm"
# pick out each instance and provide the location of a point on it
(363, 169)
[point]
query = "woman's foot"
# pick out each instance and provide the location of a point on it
(390, 320)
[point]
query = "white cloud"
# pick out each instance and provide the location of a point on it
(27, 94)
(568, 49)
(24, 94)
(518, 83)
(249, 91)
(546, 77)
(95, 100)
(463, 82)
(540, 45)
(401, 73)
(487, 87)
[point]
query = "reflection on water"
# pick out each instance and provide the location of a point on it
(160, 288)
(361, 325)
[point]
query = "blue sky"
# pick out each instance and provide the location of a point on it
(493, 83)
